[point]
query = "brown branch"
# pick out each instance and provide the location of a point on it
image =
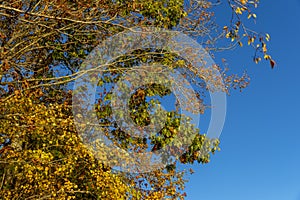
(2, 182)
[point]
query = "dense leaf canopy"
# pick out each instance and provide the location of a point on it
(42, 46)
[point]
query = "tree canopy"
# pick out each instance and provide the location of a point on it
(43, 46)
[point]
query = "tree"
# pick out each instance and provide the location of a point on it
(44, 44)
(47, 159)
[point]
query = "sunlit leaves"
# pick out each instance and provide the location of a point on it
(43, 43)
(239, 30)
(47, 158)
(238, 10)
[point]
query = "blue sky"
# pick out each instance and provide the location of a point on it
(260, 143)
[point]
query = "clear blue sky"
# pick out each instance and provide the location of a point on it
(260, 143)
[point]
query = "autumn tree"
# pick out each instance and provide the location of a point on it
(44, 44)
(46, 159)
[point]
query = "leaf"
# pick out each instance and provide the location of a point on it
(238, 11)
(240, 43)
(267, 37)
(272, 63)
(264, 47)
(243, 1)
(267, 57)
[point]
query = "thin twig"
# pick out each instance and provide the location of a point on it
(2, 180)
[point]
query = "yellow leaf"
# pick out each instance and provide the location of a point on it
(264, 47)
(228, 35)
(267, 57)
(243, 9)
(238, 10)
(267, 37)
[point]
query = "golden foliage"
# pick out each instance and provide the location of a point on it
(47, 159)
